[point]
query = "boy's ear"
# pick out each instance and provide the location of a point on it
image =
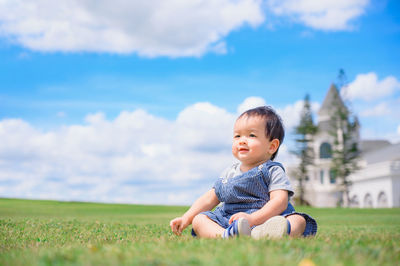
(273, 147)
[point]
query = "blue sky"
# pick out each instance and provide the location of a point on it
(71, 70)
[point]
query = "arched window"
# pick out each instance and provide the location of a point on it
(354, 201)
(325, 151)
(368, 201)
(382, 200)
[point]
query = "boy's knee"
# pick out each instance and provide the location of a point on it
(197, 220)
(297, 224)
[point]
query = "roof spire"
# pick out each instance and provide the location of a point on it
(332, 100)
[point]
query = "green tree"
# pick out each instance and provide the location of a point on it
(345, 152)
(304, 133)
(341, 78)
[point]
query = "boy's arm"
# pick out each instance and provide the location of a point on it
(278, 202)
(205, 203)
(276, 205)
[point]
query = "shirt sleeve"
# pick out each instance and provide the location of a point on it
(279, 180)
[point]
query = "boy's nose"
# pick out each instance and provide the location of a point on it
(243, 140)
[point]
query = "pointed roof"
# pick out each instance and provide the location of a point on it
(332, 99)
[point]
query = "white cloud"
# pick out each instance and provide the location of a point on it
(380, 109)
(125, 159)
(159, 27)
(205, 127)
(150, 28)
(249, 103)
(285, 155)
(136, 157)
(376, 101)
(291, 113)
(368, 87)
(322, 14)
(376, 133)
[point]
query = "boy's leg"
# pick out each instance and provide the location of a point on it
(279, 226)
(205, 227)
(297, 225)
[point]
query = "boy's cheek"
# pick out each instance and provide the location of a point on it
(234, 149)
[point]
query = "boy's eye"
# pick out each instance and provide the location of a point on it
(236, 136)
(252, 135)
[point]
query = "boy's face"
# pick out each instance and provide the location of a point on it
(250, 145)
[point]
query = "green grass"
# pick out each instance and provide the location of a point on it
(73, 233)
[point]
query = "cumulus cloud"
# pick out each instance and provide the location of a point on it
(322, 14)
(291, 113)
(249, 103)
(368, 87)
(135, 157)
(376, 101)
(285, 155)
(380, 109)
(158, 27)
(149, 28)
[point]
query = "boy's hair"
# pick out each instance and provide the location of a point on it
(273, 123)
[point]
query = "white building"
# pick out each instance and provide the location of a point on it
(376, 184)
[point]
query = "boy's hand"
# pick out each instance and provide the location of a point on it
(177, 225)
(238, 215)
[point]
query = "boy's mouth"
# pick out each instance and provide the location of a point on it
(243, 150)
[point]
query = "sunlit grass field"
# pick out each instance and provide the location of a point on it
(73, 233)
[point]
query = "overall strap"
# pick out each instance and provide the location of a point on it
(267, 165)
(264, 169)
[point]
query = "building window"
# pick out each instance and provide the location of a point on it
(382, 200)
(368, 201)
(322, 176)
(325, 151)
(354, 202)
(332, 177)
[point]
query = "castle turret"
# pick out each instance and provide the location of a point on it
(331, 101)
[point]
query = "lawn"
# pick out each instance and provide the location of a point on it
(74, 233)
